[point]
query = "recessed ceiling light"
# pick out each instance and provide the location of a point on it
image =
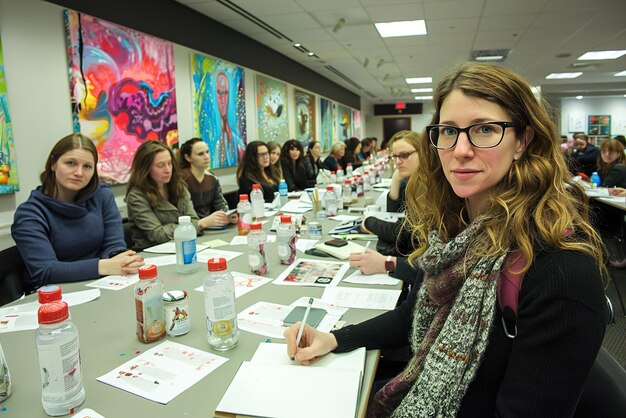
(424, 90)
(563, 75)
(423, 97)
(310, 54)
(579, 97)
(403, 28)
(419, 80)
(490, 58)
(621, 74)
(297, 45)
(602, 55)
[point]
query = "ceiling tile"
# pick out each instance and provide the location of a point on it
(513, 7)
(291, 22)
(391, 13)
(268, 7)
(453, 9)
(326, 4)
(513, 23)
(329, 18)
(438, 26)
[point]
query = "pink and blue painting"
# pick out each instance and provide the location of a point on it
(122, 89)
(9, 182)
(326, 119)
(219, 105)
(344, 122)
(305, 117)
(271, 105)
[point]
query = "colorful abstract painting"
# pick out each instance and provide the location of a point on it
(305, 116)
(219, 106)
(326, 123)
(344, 122)
(9, 181)
(356, 124)
(271, 105)
(122, 88)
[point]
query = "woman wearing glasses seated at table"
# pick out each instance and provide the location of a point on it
(254, 168)
(156, 196)
(295, 166)
(204, 187)
(491, 179)
(69, 229)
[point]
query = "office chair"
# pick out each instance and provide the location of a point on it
(11, 275)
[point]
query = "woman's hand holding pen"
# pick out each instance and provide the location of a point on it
(124, 263)
(313, 343)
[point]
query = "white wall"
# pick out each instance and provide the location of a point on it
(573, 109)
(418, 122)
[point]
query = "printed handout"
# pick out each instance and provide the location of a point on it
(354, 297)
(244, 283)
(307, 272)
(114, 282)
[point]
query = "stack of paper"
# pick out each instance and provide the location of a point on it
(270, 385)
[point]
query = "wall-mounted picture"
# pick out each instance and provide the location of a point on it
(272, 114)
(305, 116)
(9, 181)
(326, 124)
(599, 125)
(344, 122)
(122, 89)
(356, 124)
(219, 108)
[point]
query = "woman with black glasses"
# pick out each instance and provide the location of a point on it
(255, 167)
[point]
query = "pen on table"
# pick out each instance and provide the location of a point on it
(306, 315)
(367, 245)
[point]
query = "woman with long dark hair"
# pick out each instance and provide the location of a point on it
(295, 166)
(254, 168)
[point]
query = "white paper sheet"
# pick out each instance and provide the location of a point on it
(264, 318)
(87, 413)
(308, 272)
(206, 255)
(304, 244)
(333, 312)
(115, 282)
(243, 240)
(163, 372)
(360, 278)
(276, 353)
(296, 206)
(344, 218)
(352, 297)
(244, 283)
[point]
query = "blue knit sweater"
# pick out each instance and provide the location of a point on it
(63, 242)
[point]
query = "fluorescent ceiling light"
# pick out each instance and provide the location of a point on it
(424, 90)
(602, 55)
(579, 97)
(419, 80)
(423, 97)
(297, 45)
(490, 58)
(563, 75)
(403, 28)
(621, 74)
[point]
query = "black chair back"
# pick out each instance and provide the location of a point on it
(11, 275)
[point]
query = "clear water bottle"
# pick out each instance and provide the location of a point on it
(349, 170)
(359, 186)
(338, 194)
(257, 241)
(379, 169)
(6, 385)
(331, 201)
(346, 194)
(283, 192)
(59, 360)
(149, 305)
(185, 242)
(286, 238)
(367, 185)
(219, 305)
(595, 180)
(333, 177)
(340, 174)
(244, 210)
(257, 201)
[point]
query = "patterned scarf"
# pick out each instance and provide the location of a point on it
(453, 317)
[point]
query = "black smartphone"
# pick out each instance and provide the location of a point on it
(297, 314)
(337, 242)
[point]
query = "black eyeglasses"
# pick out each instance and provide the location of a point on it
(402, 156)
(480, 135)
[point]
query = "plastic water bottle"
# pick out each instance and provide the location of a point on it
(6, 385)
(338, 188)
(257, 202)
(359, 186)
(244, 210)
(349, 170)
(333, 177)
(595, 180)
(367, 185)
(340, 174)
(58, 350)
(185, 242)
(286, 238)
(377, 178)
(149, 305)
(49, 293)
(283, 192)
(346, 194)
(331, 201)
(257, 241)
(219, 306)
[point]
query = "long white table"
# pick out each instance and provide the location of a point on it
(107, 338)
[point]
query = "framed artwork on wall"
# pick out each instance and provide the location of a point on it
(219, 108)
(326, 124)
(344, 122)
(305, 116)
(272, 111)
(122, 90)
(599, 125)
(9, 181)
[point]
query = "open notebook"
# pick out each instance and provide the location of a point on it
(271, 385)
(341, 253)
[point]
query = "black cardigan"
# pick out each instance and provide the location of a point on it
(245, 187)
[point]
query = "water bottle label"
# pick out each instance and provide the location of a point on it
(283, 250)
(189, 252)
(222, 328)
(60, 370)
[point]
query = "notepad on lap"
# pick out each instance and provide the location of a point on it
(270, 385)
(341, 253)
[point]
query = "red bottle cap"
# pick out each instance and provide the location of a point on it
(285, 219)
(256, 186)
(349, 164)
(347, 181)
(53, 312)
(216, 264)
(256, 226)
(47, 294)
(328, 188)
(243, 197)
(147, 272)
(339, 167)
(333, 172)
